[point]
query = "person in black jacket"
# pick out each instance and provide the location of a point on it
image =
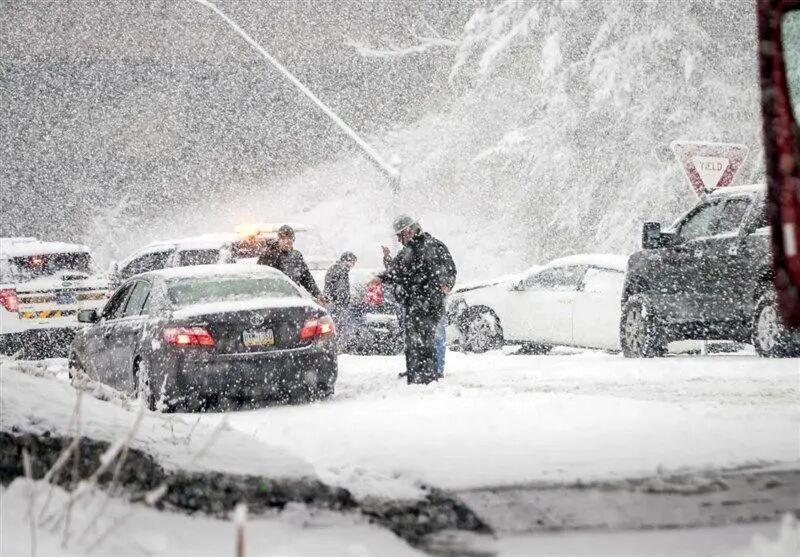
(423, 273)
(281, 255)
(337, 295)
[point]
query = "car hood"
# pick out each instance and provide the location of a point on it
(487, 283)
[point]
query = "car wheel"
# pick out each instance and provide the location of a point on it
(536, 349)
(770, 338)
(143, 384)
(481, 331)
(640, 335)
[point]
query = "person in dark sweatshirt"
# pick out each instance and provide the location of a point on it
(280, 254)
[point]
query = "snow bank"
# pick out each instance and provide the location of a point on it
(296, 531)
(37, 404)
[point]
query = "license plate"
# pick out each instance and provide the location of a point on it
(64, 297)
(258, 338)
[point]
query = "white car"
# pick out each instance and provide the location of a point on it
(208, 249)
(242, 246)
(573, 301)
(43, 285)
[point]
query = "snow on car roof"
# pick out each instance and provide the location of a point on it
(216, 270)
(204, 241)
(733, 190)
(16, 247)
(606, 260)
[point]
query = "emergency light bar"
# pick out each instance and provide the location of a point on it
(254, 229)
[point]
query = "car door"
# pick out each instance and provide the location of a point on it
(724, 277)
(505, 299)
(126, 335)
(544, 310)
(99, 336)
(596, 312)
(677, 284)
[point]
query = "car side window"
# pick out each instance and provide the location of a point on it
(556, 278)
(152, 261)
(138, 299)
(113, 308)
(731, 216)
(187, 258)
(701, 222)
(603, 281)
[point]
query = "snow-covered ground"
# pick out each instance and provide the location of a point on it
(126, 529)
(497, 419)
(503, 419)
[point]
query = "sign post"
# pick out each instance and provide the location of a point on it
(709, 166)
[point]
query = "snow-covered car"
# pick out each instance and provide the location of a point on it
(572, 301)
(43, 285)
(244, 245)
(200, 337)
(208, 249)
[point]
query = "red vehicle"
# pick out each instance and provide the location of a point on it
(779, 57)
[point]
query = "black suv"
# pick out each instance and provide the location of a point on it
(707, 277)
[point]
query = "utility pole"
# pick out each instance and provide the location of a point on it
(390, 171)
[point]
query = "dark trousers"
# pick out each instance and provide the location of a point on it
(420, 332)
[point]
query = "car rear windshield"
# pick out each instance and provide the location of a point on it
(198, 257)
(198, 290)
(42, 265)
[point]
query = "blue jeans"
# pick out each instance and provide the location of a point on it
(440, 345)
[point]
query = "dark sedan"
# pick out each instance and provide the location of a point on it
(194, 338)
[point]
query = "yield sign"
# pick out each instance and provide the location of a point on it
(709, 166)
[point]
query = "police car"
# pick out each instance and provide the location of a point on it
(246, 243)
(43, 285)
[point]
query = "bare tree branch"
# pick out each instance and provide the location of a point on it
(422, 42)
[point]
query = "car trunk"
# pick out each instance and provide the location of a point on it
(256, 330)
(60, 295)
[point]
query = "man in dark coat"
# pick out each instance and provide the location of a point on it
(337, 281)
(423, 273)
(337, 295)
(281, 255)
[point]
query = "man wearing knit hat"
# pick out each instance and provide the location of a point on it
(423, 273)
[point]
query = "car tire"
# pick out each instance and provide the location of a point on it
(481, 331)
(143, 386)
(639, 331)
(770, 338)
(534, 349)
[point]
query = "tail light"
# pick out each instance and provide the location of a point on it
(188, 336)
(374, 295)
(314, 328)
(9, 300)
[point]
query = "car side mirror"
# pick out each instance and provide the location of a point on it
(651, 235)
(88, 316)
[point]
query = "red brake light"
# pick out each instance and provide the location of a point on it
(313, 328)
(374, 296)
(9, 300)
(188, 336)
